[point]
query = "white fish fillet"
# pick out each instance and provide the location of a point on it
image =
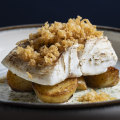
(96, 57)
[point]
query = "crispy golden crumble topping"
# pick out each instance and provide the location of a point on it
(29, 75)
(93, 96)
(51, 40)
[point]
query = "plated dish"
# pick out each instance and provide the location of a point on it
(79, 73)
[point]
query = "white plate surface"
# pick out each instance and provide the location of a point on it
(8, 39)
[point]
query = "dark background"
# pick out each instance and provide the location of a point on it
(100, 12)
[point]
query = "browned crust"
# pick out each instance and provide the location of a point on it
(69, 84)
(107, 79)
(18, 84)
(58, 93)
(81, 83)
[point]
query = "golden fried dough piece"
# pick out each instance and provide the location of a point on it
(18, 84)
(81, 84)
(58, 93)
(107, 79)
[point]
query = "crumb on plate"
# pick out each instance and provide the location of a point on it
(93, 96)
(29, 75)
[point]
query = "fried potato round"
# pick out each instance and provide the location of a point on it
(18, 84)
(81, 84)
(107, 79)
(58, 93)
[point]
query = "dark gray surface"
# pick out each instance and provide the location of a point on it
(20, 113)
(101, 12)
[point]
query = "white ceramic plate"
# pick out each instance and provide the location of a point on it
(8, 38)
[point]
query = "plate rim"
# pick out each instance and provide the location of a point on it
(55, 105)
(39, 25)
